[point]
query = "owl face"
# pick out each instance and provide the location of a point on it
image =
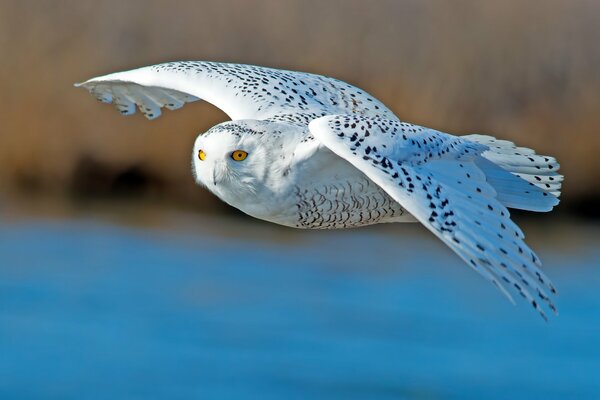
(232, 160)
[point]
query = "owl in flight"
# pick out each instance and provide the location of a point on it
(313, 152)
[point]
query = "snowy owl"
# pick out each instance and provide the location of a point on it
(309, 151)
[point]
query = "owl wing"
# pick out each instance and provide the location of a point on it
(241, 91)
(434, 176)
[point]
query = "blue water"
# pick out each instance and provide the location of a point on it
(230, 309)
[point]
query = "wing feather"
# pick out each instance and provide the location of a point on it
(241, 91)
(434, 176)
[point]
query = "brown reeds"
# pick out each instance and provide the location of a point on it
(524, 71)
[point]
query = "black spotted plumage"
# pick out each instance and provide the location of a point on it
(242, 91)
(435, 177)
(356, 163)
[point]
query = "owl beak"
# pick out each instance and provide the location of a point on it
(218, 172)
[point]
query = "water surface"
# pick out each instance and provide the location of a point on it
(192, 306)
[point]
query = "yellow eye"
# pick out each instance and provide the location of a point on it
(201, 155)
(239, 155)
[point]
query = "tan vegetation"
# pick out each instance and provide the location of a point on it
(525, 71)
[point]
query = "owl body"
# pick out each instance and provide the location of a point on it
(309, 151)
(288, 178)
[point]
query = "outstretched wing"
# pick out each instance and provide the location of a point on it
(434, 177)
(241, 91)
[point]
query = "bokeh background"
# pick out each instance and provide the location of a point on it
(120, 278)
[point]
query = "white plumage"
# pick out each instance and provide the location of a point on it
(308, 151)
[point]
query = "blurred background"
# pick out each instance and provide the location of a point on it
(120, 278)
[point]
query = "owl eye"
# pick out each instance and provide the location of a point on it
(239, 155)
(201, 155)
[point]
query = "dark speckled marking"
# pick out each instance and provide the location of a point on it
(284, 96)
(410, 167)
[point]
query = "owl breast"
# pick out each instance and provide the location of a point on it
(345, 204)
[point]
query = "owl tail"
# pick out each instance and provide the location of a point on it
(521, 178)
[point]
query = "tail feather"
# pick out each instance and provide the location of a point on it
(522, 179)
